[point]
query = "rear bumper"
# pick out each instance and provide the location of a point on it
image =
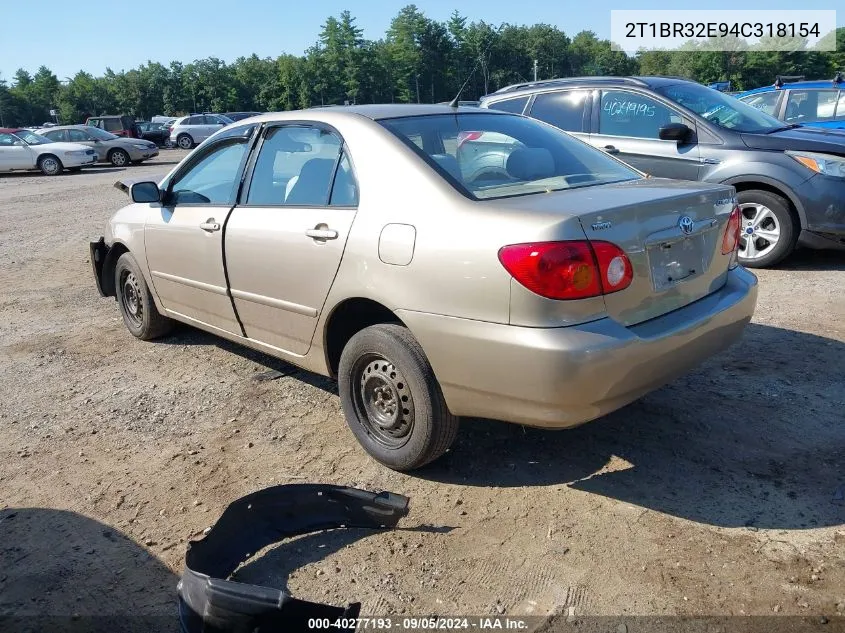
(563, 377)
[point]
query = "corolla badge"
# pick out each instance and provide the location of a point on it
(601, 226)
(686, 224)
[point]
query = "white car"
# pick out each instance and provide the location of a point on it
(22, 150)
(190, 131)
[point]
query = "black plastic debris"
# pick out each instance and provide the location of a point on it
(210, 603)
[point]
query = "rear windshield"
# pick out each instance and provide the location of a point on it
(495, 156)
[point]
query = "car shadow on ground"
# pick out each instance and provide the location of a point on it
(755, 437)
(61, 571)
(806, 259)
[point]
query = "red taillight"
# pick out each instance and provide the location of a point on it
(730, 241)
(568, 270)
(463, 137)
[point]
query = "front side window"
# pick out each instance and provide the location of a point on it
(295, 167)
(720, 109)
(99, 134)
(562, 109)
(625, 113)
(500, 155)
(810, 105)
(510, 105)
(77, 136)
(214, 179)
(763, 101)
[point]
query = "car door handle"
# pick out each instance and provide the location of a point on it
(610, 149)
(210, 225)
(321, 234)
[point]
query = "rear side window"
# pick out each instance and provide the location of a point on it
(76, 136)
(510, 105)
(562, 109)
(764, 101)
(113, 125)
(295, 167)
(810, 105)
(633, 114)
(193, 120)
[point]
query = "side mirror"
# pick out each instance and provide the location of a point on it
(144, 192)
(674, 132)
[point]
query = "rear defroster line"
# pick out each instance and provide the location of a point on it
(210, 603)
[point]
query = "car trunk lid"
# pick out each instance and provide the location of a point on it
(670, 230)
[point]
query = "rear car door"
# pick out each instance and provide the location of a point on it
(184, 234)
(629, 122)
(565, 109)
(284, 242)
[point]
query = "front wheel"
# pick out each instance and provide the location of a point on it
(139, 311)
(768, 231)
(391, 399)
(50, 165)
(119, 158)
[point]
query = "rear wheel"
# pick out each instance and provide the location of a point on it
(769, 229)
(391, 398)
(185, 141)
(139, 311)
(119, 158)
(50, 165)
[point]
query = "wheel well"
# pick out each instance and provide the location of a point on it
(349, 318)
(762, 186)
(107, 277)
(43, 156)
(116, 149)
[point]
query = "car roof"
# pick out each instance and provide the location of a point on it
(376, 112)
(12, 130)
(531, 87)
(70, 127)
(799, 85)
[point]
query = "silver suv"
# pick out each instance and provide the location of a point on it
(190, 131)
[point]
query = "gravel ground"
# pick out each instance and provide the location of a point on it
(720, 494)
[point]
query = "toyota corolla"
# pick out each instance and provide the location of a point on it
(547, 284)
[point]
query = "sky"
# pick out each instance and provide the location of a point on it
(68, 37)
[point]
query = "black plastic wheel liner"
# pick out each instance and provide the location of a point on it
(209, 603)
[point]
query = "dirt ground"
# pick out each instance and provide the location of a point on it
(720, 494)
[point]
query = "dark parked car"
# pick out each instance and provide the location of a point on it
(790, 180)
(238, 116)
(117, 125)
(155, 132)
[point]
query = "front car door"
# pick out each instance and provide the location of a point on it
(629, 122)
(14, 153)
(83, 138)
(184, 234)
(285, 241)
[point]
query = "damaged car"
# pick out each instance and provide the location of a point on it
(547, 284)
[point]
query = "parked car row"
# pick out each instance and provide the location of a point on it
(789, 179)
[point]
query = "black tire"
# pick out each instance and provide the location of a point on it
(386, 362)
(184, 141)
(119, 158)
(50, 165)
(74, 170)
(137, 307)
(751, 203)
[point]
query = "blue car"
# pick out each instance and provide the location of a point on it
(812, 103)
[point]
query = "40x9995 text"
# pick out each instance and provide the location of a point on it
(721, 29)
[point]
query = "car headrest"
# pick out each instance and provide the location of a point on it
(530, 163)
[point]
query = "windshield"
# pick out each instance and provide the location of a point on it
(99, 134)
(721, 109)
(31, 138)
(495, 156)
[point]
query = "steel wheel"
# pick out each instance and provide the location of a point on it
(383, 401)
(119, 158)
(130, 297)
(760, 231)
(50, 166)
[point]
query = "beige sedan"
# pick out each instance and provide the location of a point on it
(437, 262)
